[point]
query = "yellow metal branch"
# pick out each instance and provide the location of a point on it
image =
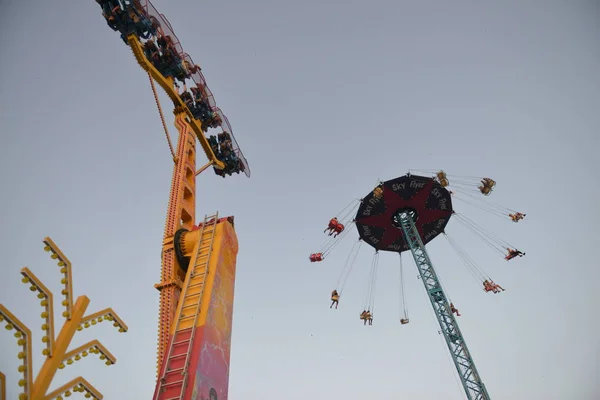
(168, 86)
(51, 364)
(23, 335)
(47, 302)
(76, 385)
(107, 314)
(93, 346)
(65, 269)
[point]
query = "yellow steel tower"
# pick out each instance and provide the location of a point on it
(198, 268)
(198, 259)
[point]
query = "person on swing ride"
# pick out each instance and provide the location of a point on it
(316, 257)
(404, 321)
(513, 253)
(516, 217)
(454, 310)
(490, 286)
(486, 186)
(335, 297)
(442, 178)
(378, 192)
(366, 316)
(339, 228)
(331, 227)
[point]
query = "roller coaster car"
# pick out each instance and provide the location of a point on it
(151, 52)
(201, 111)
(170, 62)
(127, 18)
(187, 99)
(226, 153)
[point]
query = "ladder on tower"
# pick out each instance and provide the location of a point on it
(174, 379)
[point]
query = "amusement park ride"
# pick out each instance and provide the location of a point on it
(198, 260)
(199, 257)
(404, 214)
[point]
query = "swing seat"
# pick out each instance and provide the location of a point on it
(485, 190)
(404, 321)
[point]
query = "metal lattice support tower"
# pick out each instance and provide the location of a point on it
(471, 381)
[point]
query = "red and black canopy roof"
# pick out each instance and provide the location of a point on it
(425, 198)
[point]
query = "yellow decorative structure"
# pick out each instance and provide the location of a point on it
(56, 352)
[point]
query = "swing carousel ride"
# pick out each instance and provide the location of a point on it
(404, 214)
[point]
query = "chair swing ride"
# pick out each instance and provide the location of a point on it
(404, 214)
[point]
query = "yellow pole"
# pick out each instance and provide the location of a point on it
(61, 344)
(2, 387)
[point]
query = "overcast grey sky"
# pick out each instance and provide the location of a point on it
(324, 98)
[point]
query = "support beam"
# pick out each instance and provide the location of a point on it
(470, 379)
(2, 387)
(181, 213)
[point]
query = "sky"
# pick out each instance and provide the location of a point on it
(325, 98)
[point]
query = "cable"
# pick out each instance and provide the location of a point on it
(402, 291)
(162, 117)
(341, 284)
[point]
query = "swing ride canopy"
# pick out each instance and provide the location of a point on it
(424, 198)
